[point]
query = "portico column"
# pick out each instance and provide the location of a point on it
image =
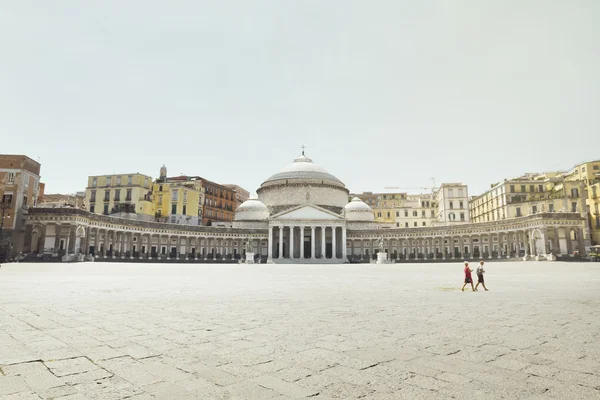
(344, 245)
(312, 243)
(333, 244)
(491, 246)
(555, 242)
(509, 244)
(569, 243)
(281, 242)
(323, 243)
(123, 244)
(292, 242)
(302, 242)
(580, 241)
(270, 245)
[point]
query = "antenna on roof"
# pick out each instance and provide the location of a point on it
(303, 147)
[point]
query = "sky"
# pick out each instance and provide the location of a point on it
(397, 93)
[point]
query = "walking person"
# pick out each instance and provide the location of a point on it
(468, 278)
(480, 271)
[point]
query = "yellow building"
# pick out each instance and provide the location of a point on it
(402, 210)
(526, 195)
(589, 175)
(178, 200)
(124, 195)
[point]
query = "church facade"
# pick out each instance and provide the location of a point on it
(301, 215)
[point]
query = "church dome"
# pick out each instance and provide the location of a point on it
(358, 210)
(303, 182)
(303, 168)
(251, 210)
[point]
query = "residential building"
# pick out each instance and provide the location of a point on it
(120, 195)
(526, 195)
(589, 174)
(453, 204)
(402, 210)
(19, 190)
(241, 194)
(75, 200)
(178, 200)
(219, 204)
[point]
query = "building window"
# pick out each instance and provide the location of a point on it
(423, 214)
(159, 213)
(574, 206)
(452, 217)
(173, 208)
(540, 188)
(92, 196)
(118, 180)
(424, 223)
(160, 188)
(107, 195)
(398, 213)
(7, 199)
(406, 224)
(415, 214)
(415, 224)
(184, 209)
(11, 178)
(582, 169)
(512, 188)
(94, 182)
(551, 207)
(379, 215)
(460, 193)
(532, 188)
(108, 180)
(92, 208)
(460, 204)
(574, 192)
(406, 213)
(432, 214)
(596, 167)
(106, 209)
(518, 211)
(118, 195)
(388, 215)
(130, 180)
(534, 209)
(451, 205)
(128, 196)
(523, 189)
(174, 195)
(594, 194)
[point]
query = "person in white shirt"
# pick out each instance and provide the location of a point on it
(480, 271)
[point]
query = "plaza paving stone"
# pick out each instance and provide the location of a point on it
(403, 331)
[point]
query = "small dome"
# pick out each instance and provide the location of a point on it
(358, 210)
(251, 210)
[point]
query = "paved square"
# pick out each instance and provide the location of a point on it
(135, 331)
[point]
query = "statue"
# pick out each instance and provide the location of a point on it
(380, 243)
(248, 246)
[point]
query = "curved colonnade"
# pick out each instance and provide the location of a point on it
(72, 231)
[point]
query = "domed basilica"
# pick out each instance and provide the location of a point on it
(306, 212)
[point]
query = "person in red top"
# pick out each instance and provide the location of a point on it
(468, 278)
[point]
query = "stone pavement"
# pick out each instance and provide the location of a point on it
(135, 331)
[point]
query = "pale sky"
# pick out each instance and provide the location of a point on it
(382, 93)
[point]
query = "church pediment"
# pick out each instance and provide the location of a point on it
(308, 212)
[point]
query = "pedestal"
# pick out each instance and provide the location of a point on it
(249, 258)
(381, 258)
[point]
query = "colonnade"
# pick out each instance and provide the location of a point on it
(307, 242)
(116, 243)
(513, 243)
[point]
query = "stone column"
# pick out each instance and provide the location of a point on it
(292, 242)
(57, 232)
(281, 242)
(556, 242)
(312, 243)
(333, 243)
(124, 244)
(569, 243)
(302, 242)
(344, 244)
(323, 242)
(580, 241)
(270, 245)
(509, 244)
